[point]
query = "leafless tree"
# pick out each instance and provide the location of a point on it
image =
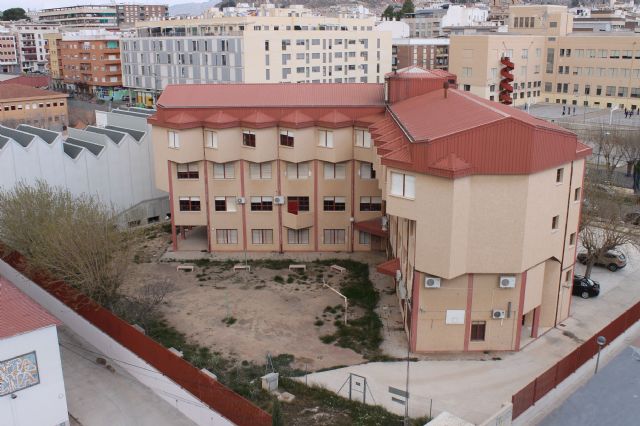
(608, 141)
(602, 227)
(73, 238)
(142, 307)
(630, 148)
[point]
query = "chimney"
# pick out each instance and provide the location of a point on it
(445, 86)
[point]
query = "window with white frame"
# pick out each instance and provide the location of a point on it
(403, 185)
(262, 236)
(210, 139)
(325, 138)
(260, 170)
(334, 204)
(363, 138)
(189, 204)
(188, 171)
(174, 139)
(261, 204)
(224, 204)
(286, 138)
(223, 170)
(227, 236)
(298, 170)
(335, 170)
(298, 236)
(370, 204)
(366, 170)
(364, 238)
(249, 138)
(334, 236)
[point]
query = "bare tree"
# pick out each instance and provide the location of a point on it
(608, 141)
(630, 148)
(74, 238)
(602, 227)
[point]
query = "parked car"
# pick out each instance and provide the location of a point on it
(632, 218)
(585, 287)
(612, 260)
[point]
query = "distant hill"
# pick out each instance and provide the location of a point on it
(193, 8)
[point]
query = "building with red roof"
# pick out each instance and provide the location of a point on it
(30, 367)
(476, 204)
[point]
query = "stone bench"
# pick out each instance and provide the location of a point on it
(185, 268)
(241, 267)
(301, 267)
(338, 268)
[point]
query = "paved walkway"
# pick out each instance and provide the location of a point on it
(475, 389)
(97, 396)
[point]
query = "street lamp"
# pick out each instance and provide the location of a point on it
(601, 341)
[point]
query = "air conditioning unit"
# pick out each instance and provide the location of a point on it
(498, 314)
(507, 281)
(431, 282)
(278, 199)
(398, 275)
(402, 290)
(240, 200)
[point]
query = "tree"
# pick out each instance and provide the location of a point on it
(14, 14)
(602, 227)
(72, 238)
(407, 7)
(630, 148)
(389, 13)
(608, 141)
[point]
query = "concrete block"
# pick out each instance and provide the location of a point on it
(270, 382)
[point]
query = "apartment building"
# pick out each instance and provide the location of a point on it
(550, 63)
(477, 262)
(425, 23)
(91, 61)
(81, 16)
(130, 13)
(8, 53)
(20, 104)
(429, 53)
(54, 55)
(31, 45)
(253, 50)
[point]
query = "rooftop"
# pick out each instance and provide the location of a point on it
(19, 313)
(27, 80)
(10, 91)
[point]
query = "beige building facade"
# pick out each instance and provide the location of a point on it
(21, 104)
(551, 63)
(478, 260)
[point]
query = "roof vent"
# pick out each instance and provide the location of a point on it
(445, 86)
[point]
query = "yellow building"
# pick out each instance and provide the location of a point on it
(55, 59)
(551, 63)
(20, 104)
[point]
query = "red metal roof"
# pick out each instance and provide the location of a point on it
(372, 226)
(389, 267)
(19, 91)
(272, 95)
(19, 313)
(40, 81)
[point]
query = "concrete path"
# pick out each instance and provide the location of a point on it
(98, 396)
(475, 389)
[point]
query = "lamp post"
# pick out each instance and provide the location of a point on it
(601, 341)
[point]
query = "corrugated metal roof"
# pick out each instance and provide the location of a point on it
(71, 150)
(94, 148)
(3, 141)
(115, 136)
(22, 138)
(136, 134)
(19, 313)
(46, 135)
(272, 95)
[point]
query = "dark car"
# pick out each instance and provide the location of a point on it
(585, 287)
(612, 260)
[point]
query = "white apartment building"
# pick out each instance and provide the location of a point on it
(31, 44)
(253, 50)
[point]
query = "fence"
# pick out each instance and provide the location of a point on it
(203, 387)
(551, 378)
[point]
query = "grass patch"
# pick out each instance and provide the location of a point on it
(289, 279)
(318, 323)
(229, 320)
(278, 279)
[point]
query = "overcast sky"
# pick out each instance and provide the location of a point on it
(39, 4)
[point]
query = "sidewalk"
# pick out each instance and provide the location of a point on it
(99, 396)
(474, 390)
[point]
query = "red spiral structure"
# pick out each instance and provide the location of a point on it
(506, 89)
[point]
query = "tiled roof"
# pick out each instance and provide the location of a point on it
(18, 91)
(27, 80)
(272, 95)
(19, 313)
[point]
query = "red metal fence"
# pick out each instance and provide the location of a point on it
(218, 397)
(551, 378)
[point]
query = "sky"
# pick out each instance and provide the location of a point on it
(45, 4)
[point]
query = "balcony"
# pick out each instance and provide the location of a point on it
(298, 220)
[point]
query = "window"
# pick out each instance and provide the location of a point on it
(260, 170)
(210, 139)
(286, 138)
(334, 236)
(262, 236)
(334, 204)
(363, 138)
(403, 185)
(467, 71)
(555, 222)
(188, 171)
(559, 175)
(567, 275)
(261, 204)
(478, 329)
(364, 238)
(224, 204)
(367, 171)
(572, 239)
(227, 236)
(298, 236)
(223, 171)
(297, 170)
(174, 140)
(370, 204)
(189, 204)
(576, 194)
(325, 138)
(249, 138)
(335, 170)
(297, 204)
